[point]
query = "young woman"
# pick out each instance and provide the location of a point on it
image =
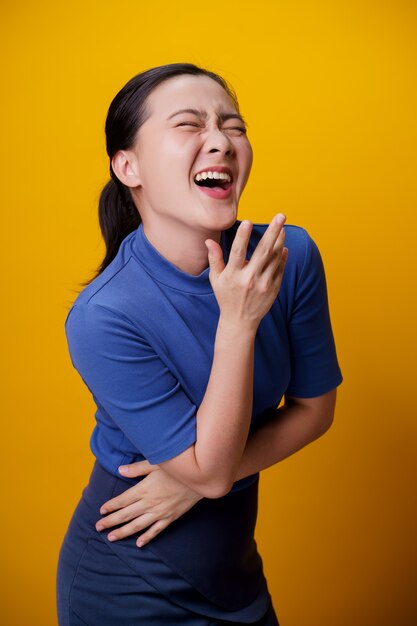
(188, 338)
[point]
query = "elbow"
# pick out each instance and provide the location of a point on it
(214, 481)
(215, 488)
(326, 420)
(325, 411)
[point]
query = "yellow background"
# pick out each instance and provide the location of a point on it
(329, 91)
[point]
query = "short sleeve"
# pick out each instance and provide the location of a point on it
(314, 365)
(130, 382)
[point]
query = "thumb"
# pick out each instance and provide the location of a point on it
(215, 256)
(140, 468)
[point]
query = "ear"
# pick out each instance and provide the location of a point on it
(126, 168)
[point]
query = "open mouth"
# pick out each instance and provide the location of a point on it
(212, 183)
(213, 180)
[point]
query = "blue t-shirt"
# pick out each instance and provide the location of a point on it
(141, 335)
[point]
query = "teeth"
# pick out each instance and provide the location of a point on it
(215, 175)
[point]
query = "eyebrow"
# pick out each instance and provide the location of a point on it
(222, 116)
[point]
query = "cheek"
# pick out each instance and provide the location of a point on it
(249, 153)
(246, 160)
(168, 166)
(178, 155)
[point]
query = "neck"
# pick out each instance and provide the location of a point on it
(182, 246)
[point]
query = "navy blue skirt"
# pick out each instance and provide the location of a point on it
(203, 570)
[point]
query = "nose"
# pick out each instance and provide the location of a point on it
(217, 141)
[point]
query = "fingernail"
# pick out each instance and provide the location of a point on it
(111, 537)
(123, 468)
(279, 219)
(99, 527)
(140, 544)
(245, 224)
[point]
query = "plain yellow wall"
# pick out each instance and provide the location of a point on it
(329, 91)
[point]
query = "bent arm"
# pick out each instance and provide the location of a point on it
(245, 291)
(288, 429)
(210, 465)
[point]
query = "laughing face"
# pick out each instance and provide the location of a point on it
(191, 159)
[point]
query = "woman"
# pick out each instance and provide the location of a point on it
(188, 338)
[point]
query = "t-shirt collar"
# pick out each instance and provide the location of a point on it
(169, 274)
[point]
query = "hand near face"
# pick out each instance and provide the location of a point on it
(245, 290)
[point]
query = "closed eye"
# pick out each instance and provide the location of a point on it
(242, 130)
(188, 124)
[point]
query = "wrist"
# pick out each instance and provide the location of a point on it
(237, 329)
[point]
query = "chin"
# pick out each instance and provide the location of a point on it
(226, 222)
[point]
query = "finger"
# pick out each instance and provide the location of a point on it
(275, 259)
(152, 532)
(262, 253)
(277, 278)
(123, 515)
(140, 468)
(133, 527)
(238, 250)
(215, 257)
(124, 499)
(279, 243)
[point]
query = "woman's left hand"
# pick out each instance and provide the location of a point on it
(155, 501)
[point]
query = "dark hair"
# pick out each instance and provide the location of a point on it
(118, 213)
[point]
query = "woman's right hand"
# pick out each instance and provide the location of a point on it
(245, 290)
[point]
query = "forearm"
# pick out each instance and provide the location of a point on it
(286, 430)
(223, 418)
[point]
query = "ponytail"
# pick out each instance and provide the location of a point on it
(118, 216)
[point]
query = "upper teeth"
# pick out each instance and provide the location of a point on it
(217, 175)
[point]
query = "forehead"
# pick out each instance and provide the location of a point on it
(186, 91)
